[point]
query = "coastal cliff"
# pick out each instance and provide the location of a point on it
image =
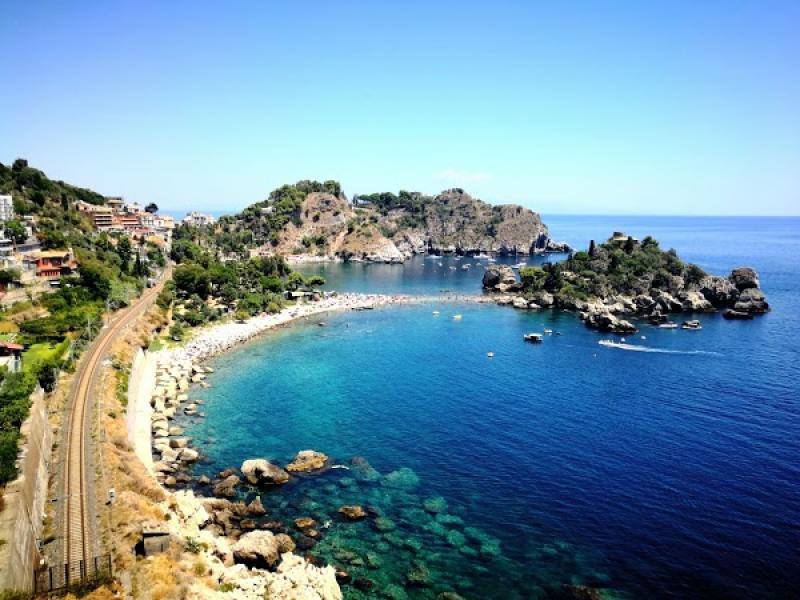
(315, 221)
(627, 278)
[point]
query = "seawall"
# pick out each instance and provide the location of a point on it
(141, 384)
(22, 515)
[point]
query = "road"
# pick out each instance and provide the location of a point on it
(79, 523)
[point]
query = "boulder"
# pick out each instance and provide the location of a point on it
(261, 549)
(751, 300)
(543, 298)
(225, 488)
(695, 302)
(744, 278)
(259, 471)
(353, 513)
(497, 275)
(255, 508)
(719, 291)
(307, 460)
(304, 523)
(737, 315)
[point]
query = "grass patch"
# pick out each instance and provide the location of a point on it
(39, 354)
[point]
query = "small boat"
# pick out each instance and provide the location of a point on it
(694, 324)
(452, 268)
(519, 265)
(548, 331)
(436, 313)
(644, 337)
(465, 267)
(322, 324)
(456, 317)
(490, 354)
(535, 338)
(440, 264)
(669, 325)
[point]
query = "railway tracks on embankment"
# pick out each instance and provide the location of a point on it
(80, 548)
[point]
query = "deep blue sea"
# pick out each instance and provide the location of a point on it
(668, 473)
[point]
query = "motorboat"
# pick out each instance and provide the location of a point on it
(535, 338)
(456, 317)
(694, 324)
(548, 331)
(669, 325)
(490, 354)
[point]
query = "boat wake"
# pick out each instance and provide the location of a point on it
(636, 348)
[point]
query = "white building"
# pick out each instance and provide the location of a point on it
(6, 208)
(198, 218)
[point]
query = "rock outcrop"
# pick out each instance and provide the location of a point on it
(259, 471)
(306, 461)
(261, 549)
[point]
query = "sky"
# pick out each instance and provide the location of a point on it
(565, 107)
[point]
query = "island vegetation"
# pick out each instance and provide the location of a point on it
(624, 276)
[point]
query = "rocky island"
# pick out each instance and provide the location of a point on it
(311, 221)
(627, 278)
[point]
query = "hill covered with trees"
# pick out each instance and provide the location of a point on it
(316, 219)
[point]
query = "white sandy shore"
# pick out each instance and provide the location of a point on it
(219, 338)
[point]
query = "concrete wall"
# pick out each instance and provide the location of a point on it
(140, 390)
(24, 500)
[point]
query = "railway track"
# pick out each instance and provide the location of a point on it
(79, 535)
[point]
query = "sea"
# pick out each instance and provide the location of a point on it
(666, 469)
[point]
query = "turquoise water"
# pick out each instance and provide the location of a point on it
(666, 473)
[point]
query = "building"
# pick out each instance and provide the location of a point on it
(115, 203)
(11, 356)
(6, 208)
(52, 264)
(198, 218)
(8, 258)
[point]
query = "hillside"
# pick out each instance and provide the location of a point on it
(312, 219)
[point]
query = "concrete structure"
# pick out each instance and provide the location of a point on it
(6, 208)
(22, 514)
(8, 258)
(198, 218)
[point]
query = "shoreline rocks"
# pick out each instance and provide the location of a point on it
(307, 461)
(259, 471)
(739, 295)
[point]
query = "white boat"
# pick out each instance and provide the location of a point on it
(490, 354)
(548, 331)
(693, 324)
(456, 317)
(465, 267)
(668, 326)
(436, 313)
(535, 338)
(452, 268)
(432, 257)
(519, 265)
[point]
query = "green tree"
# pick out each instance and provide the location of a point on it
(125, 251)
(16, 231)
(152, 208)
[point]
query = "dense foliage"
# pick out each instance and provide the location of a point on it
(204, 288)
(616, 267)
(111, 272)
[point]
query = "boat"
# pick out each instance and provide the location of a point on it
(548, 331)
(519, 265)
(440, 264)
(490, 354)
(694, 324)
(465, 267)
(452, 268)
(436, 313)
(432, 257)
(669, 325)
(456, 317)
(535, 338)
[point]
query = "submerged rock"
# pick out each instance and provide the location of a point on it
(259, 471)
(256, 508)
(304, 523)
(403, 478)
(435, 505)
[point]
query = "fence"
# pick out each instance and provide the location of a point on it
(63, 577)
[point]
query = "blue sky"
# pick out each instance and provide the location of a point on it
(602, 107)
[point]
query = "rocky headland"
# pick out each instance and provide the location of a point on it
(312, 221)
(624, 279)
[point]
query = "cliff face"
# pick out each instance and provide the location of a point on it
(391, 228)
